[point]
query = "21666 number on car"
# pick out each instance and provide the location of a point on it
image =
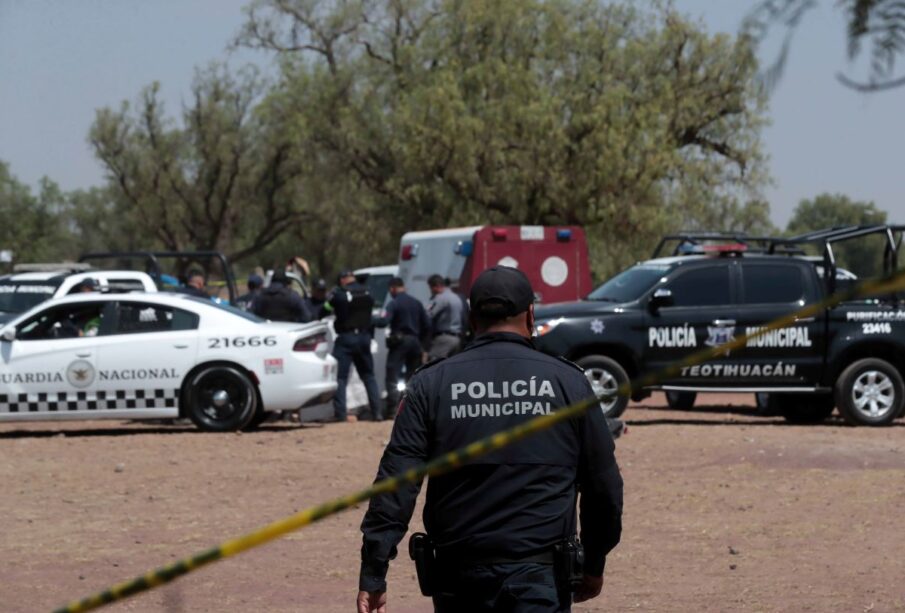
(238, 342)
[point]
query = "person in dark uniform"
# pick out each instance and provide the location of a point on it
(318, 299)
(254, 285)
(277, 302)
(352, 303)
(195, 284)
(498, 524)
(407, 339)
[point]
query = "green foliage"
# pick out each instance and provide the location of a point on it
(863, 256)
(626, 121)
(35, 227)
(227, 179)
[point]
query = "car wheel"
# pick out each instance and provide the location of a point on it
(221, 399)
(870, 392)
(681, 401)
(802, 408)
(606, 375)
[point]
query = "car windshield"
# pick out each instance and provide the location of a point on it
(19, 296)
(229, 309)
(629, 284)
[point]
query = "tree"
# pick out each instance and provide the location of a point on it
(227, 180)
(862, 256)
(34, 229)
(449, 112)
(877, 24)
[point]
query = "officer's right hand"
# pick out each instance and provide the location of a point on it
(590, 587)
(372, 602)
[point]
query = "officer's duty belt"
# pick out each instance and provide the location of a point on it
(458, 559)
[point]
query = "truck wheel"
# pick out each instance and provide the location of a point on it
(802, 408)
(681, 401)
(870, 392)
(606, 375)
(220, 399)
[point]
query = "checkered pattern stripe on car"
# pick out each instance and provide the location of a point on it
(52, 402)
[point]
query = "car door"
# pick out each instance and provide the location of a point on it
(51, 365)
(790, 356)
(700, 313)
(142, 362)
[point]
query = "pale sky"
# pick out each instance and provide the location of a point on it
(62, 59)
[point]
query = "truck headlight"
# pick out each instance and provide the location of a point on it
(545, 327)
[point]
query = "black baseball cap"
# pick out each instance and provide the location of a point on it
(501, 291)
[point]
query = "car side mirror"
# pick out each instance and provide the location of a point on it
(8, 334)
(661, 298)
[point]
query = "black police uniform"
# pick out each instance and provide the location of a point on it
(407, 338)
(495, 520)
(277, 302)
(352, 306)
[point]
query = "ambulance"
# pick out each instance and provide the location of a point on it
(555, 258)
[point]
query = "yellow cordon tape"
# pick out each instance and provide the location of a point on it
(451, 460)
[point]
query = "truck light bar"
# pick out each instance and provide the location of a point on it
(499, 234)
(564, 234)
(730, 248)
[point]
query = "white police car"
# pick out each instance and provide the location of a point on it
(158, 355)
(35, 283)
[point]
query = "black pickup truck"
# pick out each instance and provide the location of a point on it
(714, 287)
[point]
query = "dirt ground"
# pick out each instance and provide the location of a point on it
(724, 511)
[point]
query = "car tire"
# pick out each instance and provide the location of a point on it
(220, 398)
(605, 374)
(802, 408)
(681, 401)
(870, 392)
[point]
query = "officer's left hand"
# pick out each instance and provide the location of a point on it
(590, 588)
(372, 602)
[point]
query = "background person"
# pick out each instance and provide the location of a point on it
(195, 284)
(445, 310)
(254, 285)
(317, 301)
(277, 302)
(408, 334)
(352, 303)
(496, 521)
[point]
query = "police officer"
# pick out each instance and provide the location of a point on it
(408, 334)
(352, 303)
(195, 284)
(277, 302)
(318, 299)
(498, 526)
(254, 285)
(445, 309)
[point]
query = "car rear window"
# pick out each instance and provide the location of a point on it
(141, 317)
